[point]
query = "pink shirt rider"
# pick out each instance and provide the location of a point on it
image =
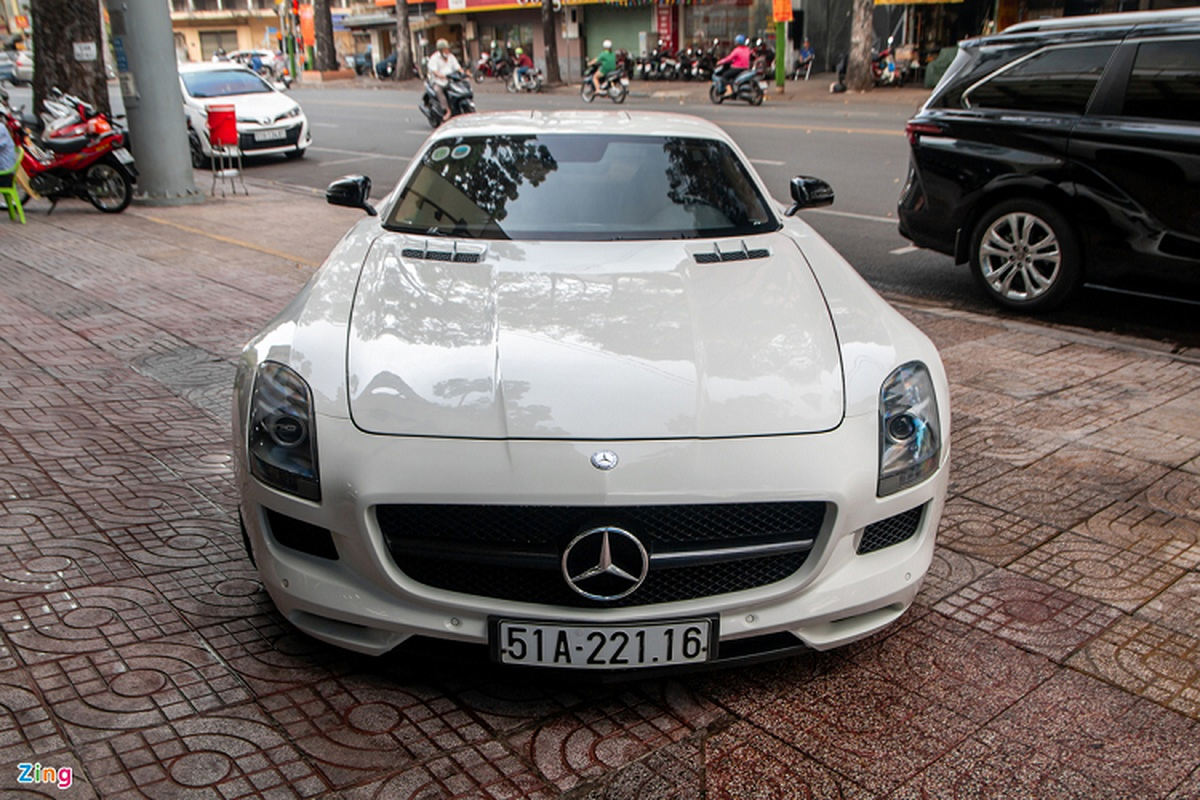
(739, 58)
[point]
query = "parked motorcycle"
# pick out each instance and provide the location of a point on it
(85, 158)
(531, 81)
(459, 93)
(614, 84)
(744, 87)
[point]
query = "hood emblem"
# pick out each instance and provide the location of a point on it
(605, 460)
(605, 563)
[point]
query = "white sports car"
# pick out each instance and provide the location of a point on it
(581, 394)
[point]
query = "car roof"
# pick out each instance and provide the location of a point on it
(622, 123)
(1091, 21)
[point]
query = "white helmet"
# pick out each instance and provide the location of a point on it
(607, 44)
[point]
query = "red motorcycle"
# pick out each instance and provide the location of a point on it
(82, 155)
(491, 67)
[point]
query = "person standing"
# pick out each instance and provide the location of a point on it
(441, 66)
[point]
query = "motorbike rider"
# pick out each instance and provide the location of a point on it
(738, 61)
(441, 66)
(605, 63)
(523, 63)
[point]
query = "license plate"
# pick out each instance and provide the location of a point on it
(267, 136)
(123, 155)
(624, 81)
(603, 646)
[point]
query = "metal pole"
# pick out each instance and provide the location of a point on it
(145, 50)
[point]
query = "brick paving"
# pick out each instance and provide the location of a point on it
(1054, 650)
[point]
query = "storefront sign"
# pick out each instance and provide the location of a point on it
(666, 22)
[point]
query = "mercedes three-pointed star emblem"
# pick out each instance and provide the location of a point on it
(605, 563)
(604, 460)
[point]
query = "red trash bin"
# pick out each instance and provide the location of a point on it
(222, 126)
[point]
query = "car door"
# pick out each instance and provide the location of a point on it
(1138, 160)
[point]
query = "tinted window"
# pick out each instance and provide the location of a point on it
(224, 83)
(1060, 81)
(581, 187)
(1165, 83)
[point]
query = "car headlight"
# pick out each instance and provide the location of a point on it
(281, 434)
(289, 114)
(909, 429)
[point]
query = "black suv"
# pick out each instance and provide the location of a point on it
(1063, 152)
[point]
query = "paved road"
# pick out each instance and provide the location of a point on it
(855, 142)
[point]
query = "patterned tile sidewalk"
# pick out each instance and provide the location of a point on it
(1054, 651)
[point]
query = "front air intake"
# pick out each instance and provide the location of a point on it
(890, 531)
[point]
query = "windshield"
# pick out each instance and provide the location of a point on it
(224, 83)
(585, 187)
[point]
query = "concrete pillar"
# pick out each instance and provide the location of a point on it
(145, 52)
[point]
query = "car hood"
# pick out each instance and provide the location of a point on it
(623, 340)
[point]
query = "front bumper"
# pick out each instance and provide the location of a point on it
(364, 602)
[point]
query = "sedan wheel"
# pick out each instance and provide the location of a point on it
(1025, 255)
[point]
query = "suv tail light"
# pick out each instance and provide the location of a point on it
(913, 130)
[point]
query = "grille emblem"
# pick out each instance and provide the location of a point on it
(604, 460)
(605, 563)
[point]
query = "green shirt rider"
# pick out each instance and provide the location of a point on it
(605, 63)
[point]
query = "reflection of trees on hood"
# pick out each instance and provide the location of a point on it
(492, 175)
(696, 174)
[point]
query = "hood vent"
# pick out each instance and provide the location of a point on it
(717, 255)
(429, 252)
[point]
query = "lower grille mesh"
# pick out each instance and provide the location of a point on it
(890, 531)
(514, 552)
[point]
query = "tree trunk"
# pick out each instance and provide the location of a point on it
(404, 59)
(862, 34)
(550, 38)
(57, 26)
(323, 32)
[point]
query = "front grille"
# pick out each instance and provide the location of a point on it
(247, 143)
(514, 552)
(890, 531)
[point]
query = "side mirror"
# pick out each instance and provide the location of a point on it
(809, 192)
(351, 191)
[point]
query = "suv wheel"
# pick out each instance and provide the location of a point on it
(1025, 255)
